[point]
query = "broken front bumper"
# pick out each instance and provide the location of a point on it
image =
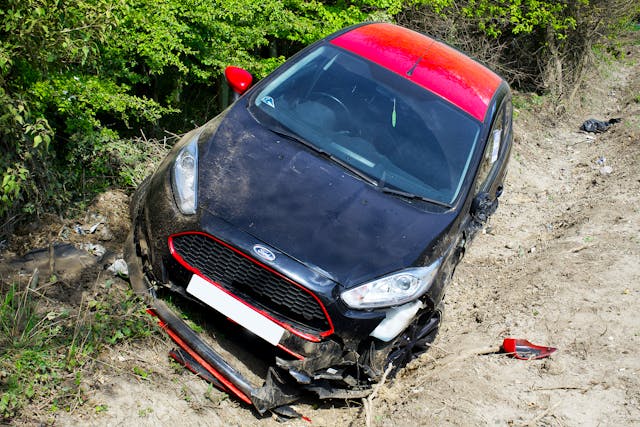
(316, 367)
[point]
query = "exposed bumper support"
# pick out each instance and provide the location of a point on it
(272, 394)
(190, 342)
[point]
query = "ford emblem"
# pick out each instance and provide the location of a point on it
(264, 253)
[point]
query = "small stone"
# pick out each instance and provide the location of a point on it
(119, 268)
(479, 317)
(105, 234)
(606, 170)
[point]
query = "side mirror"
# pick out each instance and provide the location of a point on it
(482, 207)
(239, 79)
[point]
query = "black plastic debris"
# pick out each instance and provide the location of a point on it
(598, 126)
(518, 348)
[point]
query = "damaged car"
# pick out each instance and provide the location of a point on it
(317, 221)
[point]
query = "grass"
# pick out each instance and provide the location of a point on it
(140, 373)
(527, 101)
(139, 157)
(44, 349)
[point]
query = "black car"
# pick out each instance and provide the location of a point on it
(319, 218)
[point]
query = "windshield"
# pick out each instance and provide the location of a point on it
(400, 135)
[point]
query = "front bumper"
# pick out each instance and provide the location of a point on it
(278, 388)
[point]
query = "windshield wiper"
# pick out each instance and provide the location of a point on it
(411, 196)
(351, 169)
(378, 184)
(327, 155)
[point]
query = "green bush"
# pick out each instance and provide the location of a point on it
(79, 77)
(58, 102)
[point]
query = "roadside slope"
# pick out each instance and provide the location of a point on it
(558, 265)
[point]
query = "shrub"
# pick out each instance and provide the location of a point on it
(79, 77)
(539, 45)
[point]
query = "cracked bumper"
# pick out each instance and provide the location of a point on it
(316, 366)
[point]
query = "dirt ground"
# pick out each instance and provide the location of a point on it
(558, 265)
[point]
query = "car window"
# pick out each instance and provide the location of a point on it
(392, 130)
(500, 132)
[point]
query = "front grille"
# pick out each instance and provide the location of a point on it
(250, 281)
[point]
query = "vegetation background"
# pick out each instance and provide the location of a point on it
(93, 91)
(85, 83)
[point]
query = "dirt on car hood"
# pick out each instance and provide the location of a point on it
(309, 207)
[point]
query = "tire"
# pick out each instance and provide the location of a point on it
(415, 340)
(137, 197)
(409, 345)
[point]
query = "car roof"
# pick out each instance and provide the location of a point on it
(429, 63)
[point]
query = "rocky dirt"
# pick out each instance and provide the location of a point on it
(558, 265)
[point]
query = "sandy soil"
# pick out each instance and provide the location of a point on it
(558, 265)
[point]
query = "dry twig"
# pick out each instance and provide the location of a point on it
(535, 421)
(368, 402)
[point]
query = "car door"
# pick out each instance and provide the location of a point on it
(487, 187)
(492, 170)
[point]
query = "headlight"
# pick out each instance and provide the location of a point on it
(395, 289)
(184, 178)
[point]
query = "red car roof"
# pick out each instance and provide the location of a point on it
(426, 62)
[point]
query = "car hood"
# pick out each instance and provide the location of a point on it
(307, 206)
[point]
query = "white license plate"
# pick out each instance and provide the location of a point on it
(235, 310)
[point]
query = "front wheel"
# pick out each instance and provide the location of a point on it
(415, 340)
(409, 345)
